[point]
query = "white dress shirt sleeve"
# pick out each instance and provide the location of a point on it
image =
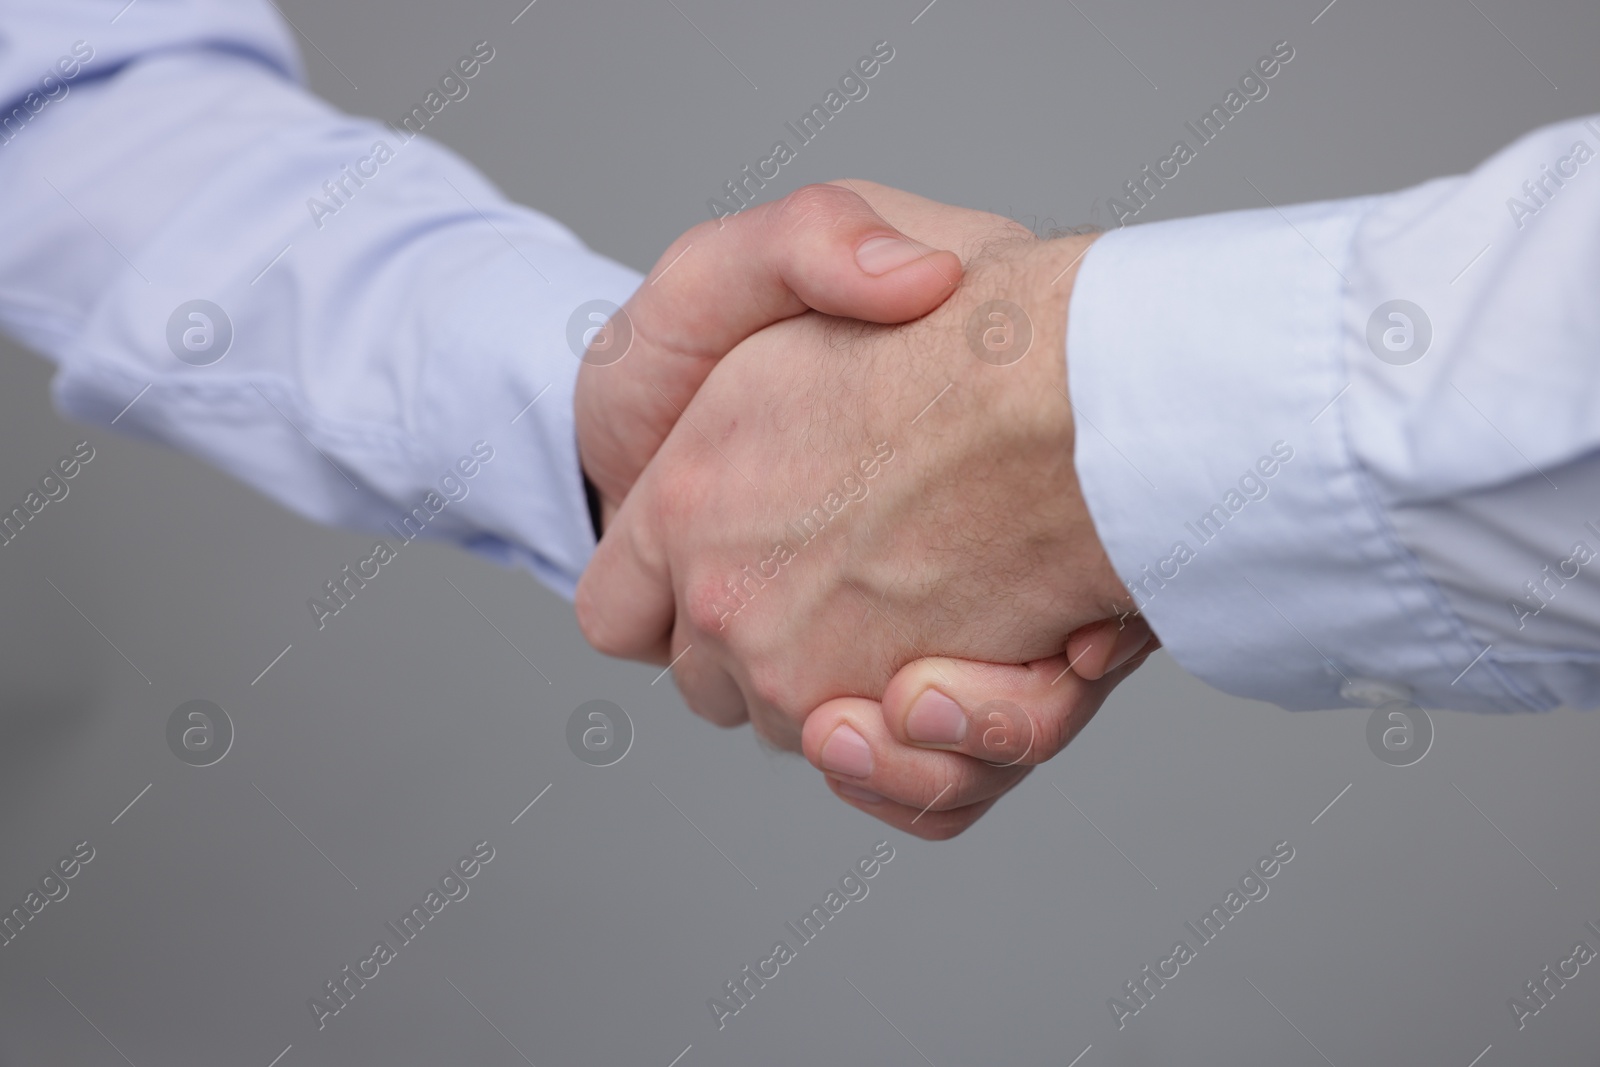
(389, 316)
(1350, 452)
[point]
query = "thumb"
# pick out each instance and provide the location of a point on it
(1010, 714)
(821, 247)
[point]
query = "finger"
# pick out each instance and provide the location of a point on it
(821, 247)
(777, 730)
(1102, 647)
(708, 689)
(1000, 713)
(928, 825)
(624, 601)
(846, 739)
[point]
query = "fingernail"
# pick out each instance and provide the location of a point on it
(847, 752)
(884, 254)
(935, 719)
(864, 795)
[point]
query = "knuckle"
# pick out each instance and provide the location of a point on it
(765, 687)
(962, 781)
(707, 699)
(700, 233)
(861, 186)
(774, 730)
(959, 788)
(813, 204)
(706, 606)
(770, 688)
(726, 718)
(592, 623)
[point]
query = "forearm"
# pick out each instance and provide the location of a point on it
(388, 308)
(1275, 488)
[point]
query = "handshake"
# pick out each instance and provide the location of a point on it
(830, 445)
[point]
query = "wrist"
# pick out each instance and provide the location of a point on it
(1045, 282)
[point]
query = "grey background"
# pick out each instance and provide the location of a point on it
(409, 729)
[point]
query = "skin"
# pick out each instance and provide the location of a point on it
(937, 791)
(904, 578)
(717, 285)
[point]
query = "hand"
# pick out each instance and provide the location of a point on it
(953, 736)
(924, 790)
(826, 509)
(820, 247)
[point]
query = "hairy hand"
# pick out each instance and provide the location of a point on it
(841, 499)
(821, 247)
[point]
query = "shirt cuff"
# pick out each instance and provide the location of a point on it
(1206, 362)
(509, 338)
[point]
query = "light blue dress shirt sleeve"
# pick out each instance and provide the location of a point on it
(387, 313)
(1350, 452)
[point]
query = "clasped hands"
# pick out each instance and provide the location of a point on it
(835, 468)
